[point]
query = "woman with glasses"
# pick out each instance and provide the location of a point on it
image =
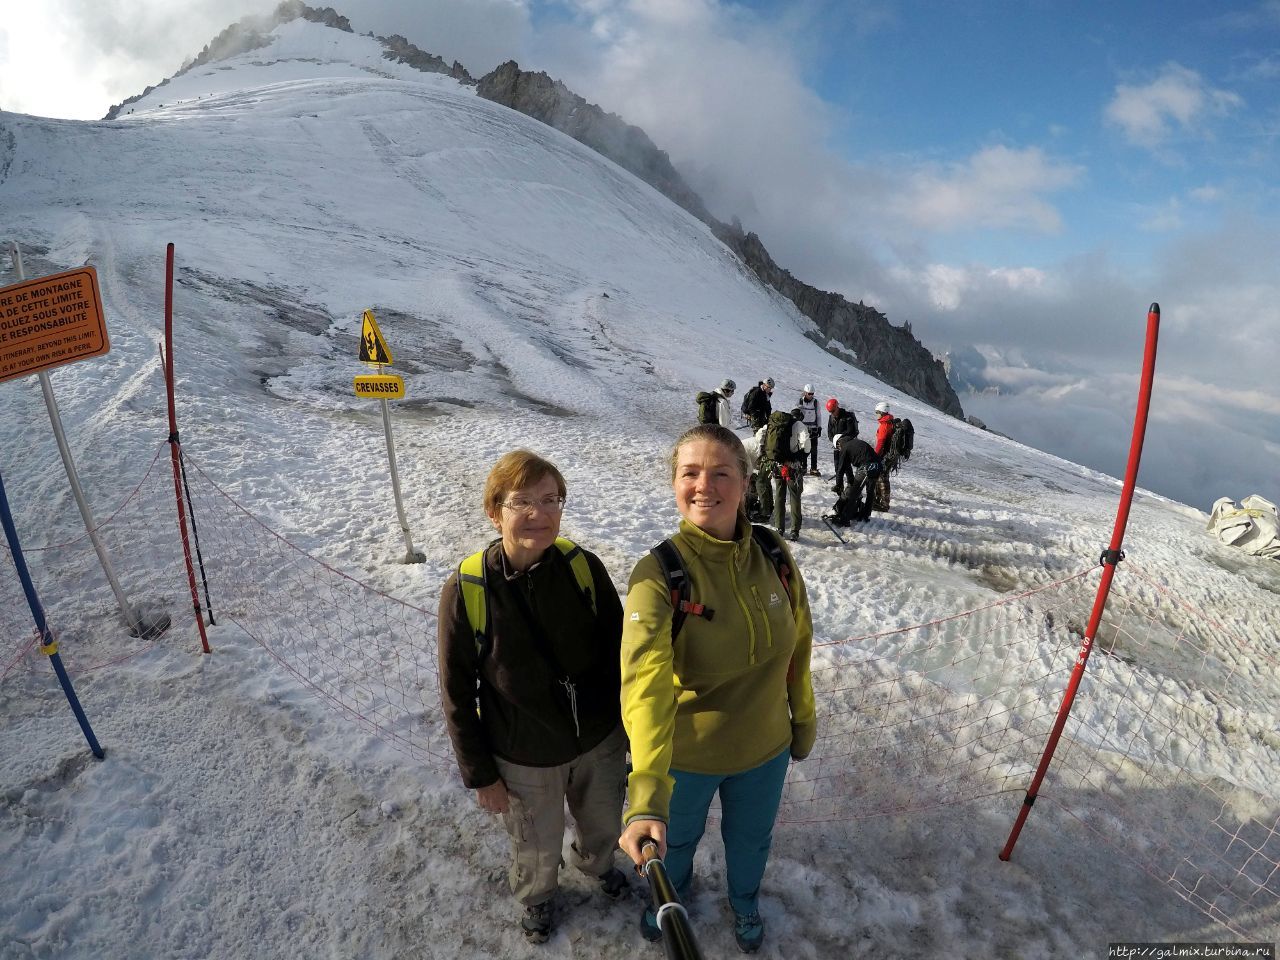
(529, 643)
(716, 692)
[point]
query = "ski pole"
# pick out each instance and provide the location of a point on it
(673, 919)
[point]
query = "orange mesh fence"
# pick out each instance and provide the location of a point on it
(917, 718)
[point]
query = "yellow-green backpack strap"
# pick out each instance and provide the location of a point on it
(473, 582)
(581, 569)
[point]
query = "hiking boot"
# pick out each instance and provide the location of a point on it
(793, 536)
(649, 925)
(815, 473)
(614, 884)
(748, 930)
(837, 489)
(536, 922)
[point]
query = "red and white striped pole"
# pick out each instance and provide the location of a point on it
(1109, 560)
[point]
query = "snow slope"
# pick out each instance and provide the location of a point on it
(532, 294)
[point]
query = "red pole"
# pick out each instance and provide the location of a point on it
(1109, 559)
(175, 445)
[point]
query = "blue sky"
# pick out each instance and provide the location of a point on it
(1018, 180)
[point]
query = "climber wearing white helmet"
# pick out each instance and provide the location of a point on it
(809, 408)
(885, 430)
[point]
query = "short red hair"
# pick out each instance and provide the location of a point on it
(517, 470)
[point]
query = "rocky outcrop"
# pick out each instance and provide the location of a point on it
(889, 353)
(402, 51)
(538, 96)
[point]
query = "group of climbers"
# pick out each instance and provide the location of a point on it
(783, 443)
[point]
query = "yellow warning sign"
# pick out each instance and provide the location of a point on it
(47, 322)
(384, 386)
(373, 348)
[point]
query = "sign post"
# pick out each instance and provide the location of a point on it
(46, 323)
(374, 350)
(48, 645)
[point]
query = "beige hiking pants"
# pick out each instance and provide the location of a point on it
(593, 784)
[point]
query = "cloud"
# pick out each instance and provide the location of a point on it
(1264, 15)
(1162, 218)
(480, 34)
(998, 187)
(1177, 98)
(948, 286)
(721, 90)
(1187, 398)
(1071, 385)
(90, 54)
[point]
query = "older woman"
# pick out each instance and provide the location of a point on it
(529, 644)
(716, 690)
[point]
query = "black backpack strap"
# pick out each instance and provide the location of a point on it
(677, 579)
(771, 544)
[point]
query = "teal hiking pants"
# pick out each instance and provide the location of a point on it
(748, 805)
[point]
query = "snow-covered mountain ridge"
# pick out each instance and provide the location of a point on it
(890, 353)
(533, 294)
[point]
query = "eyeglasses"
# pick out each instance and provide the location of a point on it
(528, 507)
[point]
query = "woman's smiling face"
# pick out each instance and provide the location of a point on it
(709, 487)
(526, 536)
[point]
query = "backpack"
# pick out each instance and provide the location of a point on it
(777, 438)
(473, 580)
(677, 577)
(846, 423)
(900, 443)
(749, 400)
(879, 493)
(708, 407)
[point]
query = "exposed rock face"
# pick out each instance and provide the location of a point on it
(402, 51)
(889, 353)
(538, 96)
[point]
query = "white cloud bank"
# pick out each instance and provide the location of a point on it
(997, 187)
(1177, 99)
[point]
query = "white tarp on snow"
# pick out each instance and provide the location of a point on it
(1252, 526)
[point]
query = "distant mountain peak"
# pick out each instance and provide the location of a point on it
(247, 33)
(892, 354)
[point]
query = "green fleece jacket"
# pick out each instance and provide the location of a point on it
(734, 689)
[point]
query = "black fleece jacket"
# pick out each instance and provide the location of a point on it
(507, 699)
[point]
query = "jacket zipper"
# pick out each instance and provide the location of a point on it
(746, 611)
(570, 688)
(764, 615)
